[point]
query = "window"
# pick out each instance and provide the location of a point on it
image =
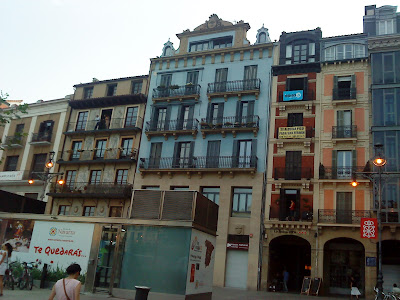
(95, 177)
(344, 124)
(76, 150)
(151, 187)
(211, 193)
(155, 155)
(88, 92)
(199, 46)
(293, 162)
(295, 119)
(121, 176)
(45, 130)
(344, 207)
(385, 27)
(386, 67)
(131, 116)
(344, 87)
(137, 87)
(241, 204)
(262, 37)
(126, 148)
(100, 149)
(220, 43)
(116, 211)
(390, 114)
(19, 128)
(183, 155)
(39, 161)
(167, 51)
(63, 210)
(111, 90)
(221, 76)
(179, 188)
(70, 179)
(343, 162)
(88, 211)
(82, 120)
(11, 163)
(159, 120)
(250, 78)
(300, 51)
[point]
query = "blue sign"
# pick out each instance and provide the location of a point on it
(370, 261)
(292, 95)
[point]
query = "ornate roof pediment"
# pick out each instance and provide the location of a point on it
(213, 22)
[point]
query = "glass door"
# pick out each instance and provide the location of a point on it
(344, 167)
(107, 258)
(244, 154)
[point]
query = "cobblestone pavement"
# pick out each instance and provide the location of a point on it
(218, 294)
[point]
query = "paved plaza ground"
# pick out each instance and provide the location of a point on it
(218, 294)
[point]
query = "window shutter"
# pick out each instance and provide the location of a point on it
(238, 112)
(167, 117)
(253, 159)
(235, 153)
(180, 117)
(287, 84)
(334, 164)
(335, 92)
(354, 159)
(175, 159)
(282, 205)
(190, 122)
(250, 110)
(353, 89)
(191, 152)
(306, 96)
(209, 110)
(154, 118)
(220, 113)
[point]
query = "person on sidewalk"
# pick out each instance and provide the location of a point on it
(5, 253)
(68, 288)
(285, 280)
(354, 288)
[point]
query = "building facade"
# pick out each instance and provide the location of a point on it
(98, 156)
(27, 143)
(205, 130)
(382, 25)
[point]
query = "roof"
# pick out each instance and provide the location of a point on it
(112, 80)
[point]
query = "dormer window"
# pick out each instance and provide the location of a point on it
(385, 27)
(88, 92)
(344, 51)
(167, 51)
(218, 43)
(262, 38)
(300, 52)
(111, 89)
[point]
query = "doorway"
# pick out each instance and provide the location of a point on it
(286, 213)
(107, 258)
(293, 254)
(105, 118)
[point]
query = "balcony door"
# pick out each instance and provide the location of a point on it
(45, 130)
(185, 121)
(155, 155)
(293, 165)
(127, 148)
(131, 116)
(245, 112)
(105, 118)
(221, 76)
(243, 155)
(160, 117)
(287, 196)
(76, 150)
(183, 155)
(343, 207)
(164, 84)
(192, 79)
(344, 122)
(295, 119)
(215, 113)
(213, 151)
(250, 77)
(81, 121)
(100, 149)
(344, 164)
(39, 161)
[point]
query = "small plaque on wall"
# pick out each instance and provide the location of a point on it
(370, 261)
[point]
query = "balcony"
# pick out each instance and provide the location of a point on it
(13, 142)
(41, 139)
(296, 173)
(301, 214)
(344, 133)
(97, 128)
(95, 156)
(340, 173)
(294, 133)
(176, 93)
(172, 128)
(88, 190)
(307, 96)
(230, 124)
(189, 206)
(199, 164)
(333, 216)
(234, 88)
(344, 95)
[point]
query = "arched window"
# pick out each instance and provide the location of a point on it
(262, 38)
(344, 51)
(167, 51)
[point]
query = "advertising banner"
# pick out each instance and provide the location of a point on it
(292, 95)
(11, 175)
(201, 263)
(296, 132)
(369, 228)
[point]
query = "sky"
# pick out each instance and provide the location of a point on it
(47, 46)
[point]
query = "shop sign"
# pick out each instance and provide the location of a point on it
(11, 175)
(290, 231)
(292, 95)
(370, 261)
(238, 246)
(296, 132)
(369, 228)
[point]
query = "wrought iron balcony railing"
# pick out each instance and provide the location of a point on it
(172, 125)
(134, 123)
(338, 172)
(296, 133)
(13, 140)
(200, 162)
(309, 95)
(230, 122)
(176, 91)
(302, 214)
(85, 189)
(344, 94)
(95, 155)
(334, 216)
(234, 86)
(41, 137)
(295, 173)
(344, 132)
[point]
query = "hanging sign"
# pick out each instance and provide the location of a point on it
(369, 228)
(292, 95)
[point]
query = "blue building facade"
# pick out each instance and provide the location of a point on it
(206, 127)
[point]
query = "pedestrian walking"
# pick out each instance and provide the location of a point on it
(354, 288)
(285, 280)
(5, 253)
(68, 288)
